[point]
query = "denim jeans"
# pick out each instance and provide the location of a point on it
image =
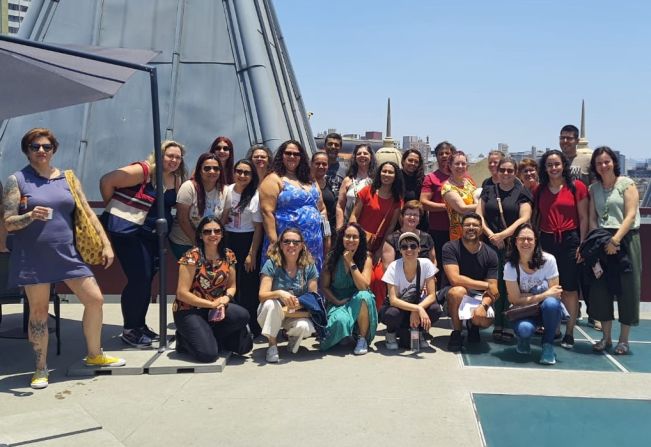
(550, 310)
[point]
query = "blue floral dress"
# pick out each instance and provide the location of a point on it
(297, 207)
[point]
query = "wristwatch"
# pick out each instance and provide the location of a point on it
(354, 267)
(230, 297)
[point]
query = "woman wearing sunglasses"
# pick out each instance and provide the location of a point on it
(287, 274)
(243, 224)
(207, 320)
(345, 282)
(39, 211)
(201, 196)
(223, 148)
(503, 206)
(411, 298)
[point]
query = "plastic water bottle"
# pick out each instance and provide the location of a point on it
(414, 339)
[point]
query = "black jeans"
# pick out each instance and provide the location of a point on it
(204, 340)
(138, 256)
(440, 238)
(396, 319)
(248, 283)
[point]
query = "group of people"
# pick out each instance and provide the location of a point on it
(287, 244)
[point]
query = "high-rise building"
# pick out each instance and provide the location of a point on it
(15, 13)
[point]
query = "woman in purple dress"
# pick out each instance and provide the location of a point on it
(38, 210)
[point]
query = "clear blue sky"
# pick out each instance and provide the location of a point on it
(476, 73)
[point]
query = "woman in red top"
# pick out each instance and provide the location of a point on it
(378, 205)
(562, 208)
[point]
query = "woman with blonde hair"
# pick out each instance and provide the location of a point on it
(287, 274)
(130, 217)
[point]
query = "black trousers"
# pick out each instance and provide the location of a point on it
(204, 340)
(247, 283)
(138, 256)
(440, 238)
(397, 320)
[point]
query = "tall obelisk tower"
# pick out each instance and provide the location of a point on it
(583, 146)
(388, 152)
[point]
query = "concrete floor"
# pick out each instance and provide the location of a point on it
(382, 398)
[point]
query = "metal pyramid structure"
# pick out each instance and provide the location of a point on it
(223, 69)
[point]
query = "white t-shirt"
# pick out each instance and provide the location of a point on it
(540, 277)
(395, 275)
(187, 195)
(241, 221)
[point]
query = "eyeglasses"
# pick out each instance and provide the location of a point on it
(243, 172)
(415, 216)
(211, 231)
(351, 237)
(529, 171)
(507, 171)
(320, 165)
(563, 138)
(295, 242)
(411, 246)
(290, 154)
(34, 147)
(529, 240)
(222, 149)
(211, 169)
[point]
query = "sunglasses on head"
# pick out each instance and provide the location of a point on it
(34, 147)
(211, 169)
(409, 246)
(211, 231)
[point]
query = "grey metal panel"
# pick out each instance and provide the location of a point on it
(214, 93)
(205, 37)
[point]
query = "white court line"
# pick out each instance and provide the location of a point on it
(608, 356)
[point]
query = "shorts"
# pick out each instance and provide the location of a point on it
(565, 254)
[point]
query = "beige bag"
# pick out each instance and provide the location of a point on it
(87, 240)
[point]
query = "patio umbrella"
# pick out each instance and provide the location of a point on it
(36, 79)
(37, 76)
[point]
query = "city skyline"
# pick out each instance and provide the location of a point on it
(476, 74)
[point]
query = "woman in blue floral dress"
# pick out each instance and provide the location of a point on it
(290, 198)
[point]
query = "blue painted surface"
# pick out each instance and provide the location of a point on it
(510, 421)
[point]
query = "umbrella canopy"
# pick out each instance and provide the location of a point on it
(36, 79)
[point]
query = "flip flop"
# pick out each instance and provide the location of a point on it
(622, 348)
(497, 334)
(507, 336)
(602, 345)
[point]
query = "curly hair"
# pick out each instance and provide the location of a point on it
(275, 252)
(444, 145)
(360, 254)
(543, 176)
(303, 173)
(513, 255)
(398, 185)
(266, 150)
(227, 169)
(420, 171)
(354, 168)
(198, 183)
(611, 153)
(198, 236)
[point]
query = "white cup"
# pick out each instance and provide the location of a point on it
(49, 213)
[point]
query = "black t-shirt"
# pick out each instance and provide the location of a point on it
(480, 266)
(426, 244)
(330, 202)
(511, 201)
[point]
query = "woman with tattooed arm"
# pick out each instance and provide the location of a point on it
(38, 210)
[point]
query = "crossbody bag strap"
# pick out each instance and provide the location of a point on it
(383, 220)
(499, 206)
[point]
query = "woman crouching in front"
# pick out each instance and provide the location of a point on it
(207, 321)
(345, 283)
(531, 277)
(288, 273)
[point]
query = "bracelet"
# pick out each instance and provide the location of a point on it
(612, 241)
(353, 267)
(230, 297)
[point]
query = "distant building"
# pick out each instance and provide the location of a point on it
(503, 147)
(15, 13)
(373, 135)
(534, 153)
(413, 142)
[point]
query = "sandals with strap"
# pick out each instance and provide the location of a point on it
(602, 345)
(622, 348)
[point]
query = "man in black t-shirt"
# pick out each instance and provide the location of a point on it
(470, 269)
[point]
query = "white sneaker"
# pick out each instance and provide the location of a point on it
(361, 347)
(391, 341)
(272, 354)
(294, 343)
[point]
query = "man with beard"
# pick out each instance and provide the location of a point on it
(430, 197)
(336, 172)
(579, 162)
(470, 269)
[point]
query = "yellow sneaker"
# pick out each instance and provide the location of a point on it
(39, 379)
(104, 360)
